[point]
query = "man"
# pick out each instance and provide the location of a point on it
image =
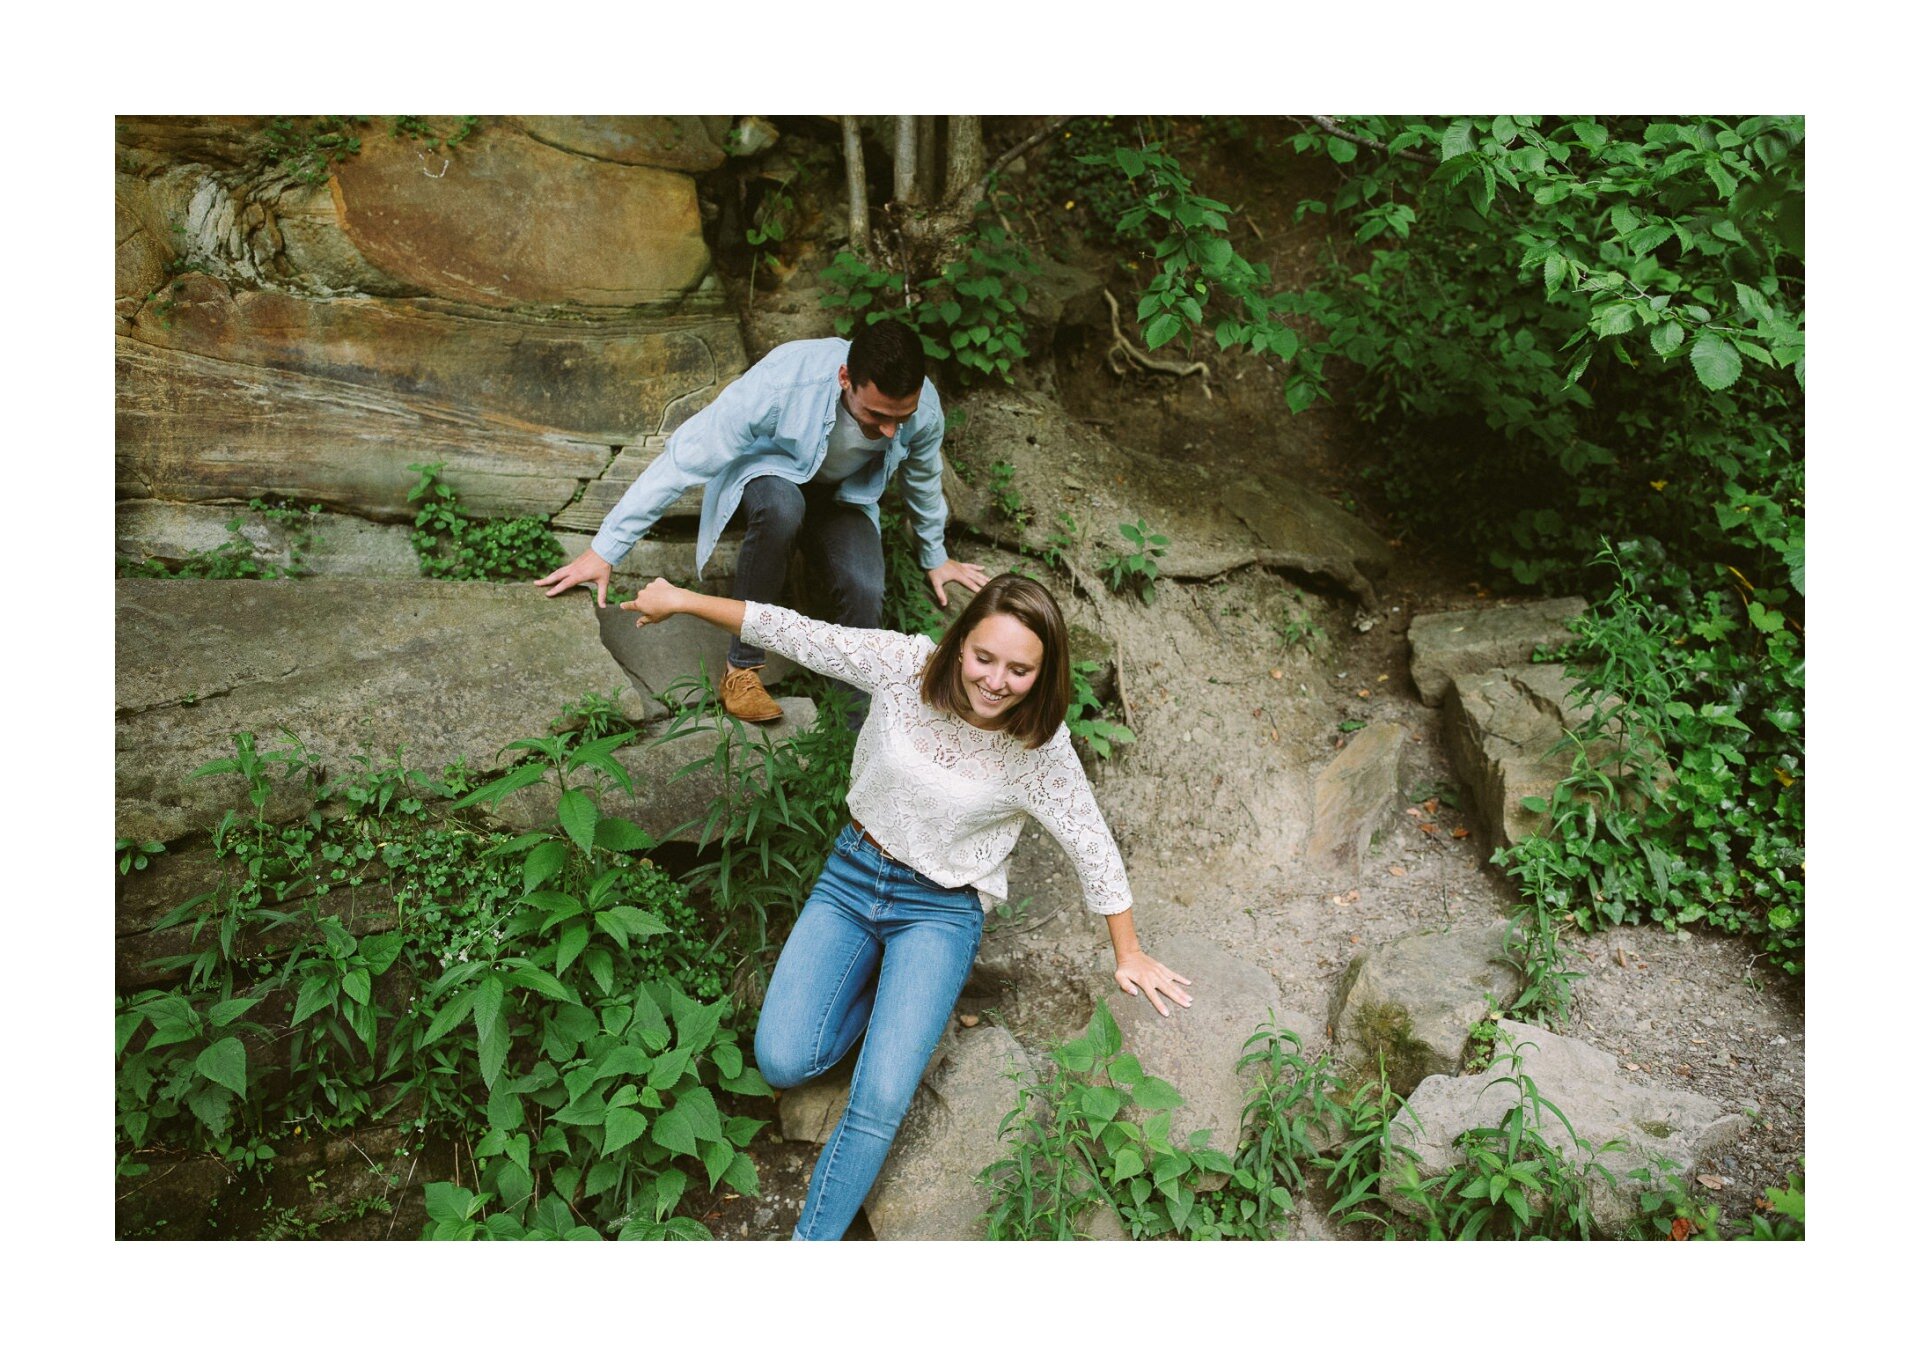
(805, 442)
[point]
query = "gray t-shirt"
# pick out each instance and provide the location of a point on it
(848, 449)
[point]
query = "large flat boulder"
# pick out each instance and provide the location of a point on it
(336, 544)
(1274, 522)
(1355, 796)
(449, 670)
(1645, 1124)
(926, 1190)
(1447, 645)
(202, 429)
(1414, 1000)
(505, 220)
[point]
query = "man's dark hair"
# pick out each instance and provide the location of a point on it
(888, 355)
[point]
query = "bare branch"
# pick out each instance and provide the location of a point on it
(1334, 129)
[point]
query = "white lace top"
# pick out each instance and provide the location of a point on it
(943, 796)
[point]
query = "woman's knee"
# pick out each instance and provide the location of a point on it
(783, 1063)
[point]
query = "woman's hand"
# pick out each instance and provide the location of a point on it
(1138, 972)
(656, 602)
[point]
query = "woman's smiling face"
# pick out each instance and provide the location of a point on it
(999, 663)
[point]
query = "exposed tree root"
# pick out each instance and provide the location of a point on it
(1123, 354)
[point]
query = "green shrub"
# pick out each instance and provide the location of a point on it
(450, 545)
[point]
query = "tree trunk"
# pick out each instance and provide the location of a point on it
(905, 160)
(856, 159)
(965, 155)
(926, 158)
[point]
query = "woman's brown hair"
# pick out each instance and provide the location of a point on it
(1035, 719)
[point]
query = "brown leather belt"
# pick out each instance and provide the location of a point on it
(861, 829)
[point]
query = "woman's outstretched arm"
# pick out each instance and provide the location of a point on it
(660, 600)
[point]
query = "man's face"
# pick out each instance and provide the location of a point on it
(878, 415)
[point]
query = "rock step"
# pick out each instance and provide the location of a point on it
(1446, 645)
(1645, 1125)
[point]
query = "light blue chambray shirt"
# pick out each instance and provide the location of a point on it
(774, 420)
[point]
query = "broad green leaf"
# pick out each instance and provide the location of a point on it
(716, 1155)
(1715, 362)
(624, 1126)
(729, 1060)
(703, 1117)
(524, 775)
(487, 1001)
(493, 1053)
(124, 1025)
(212, 1106)
(1615, 319)
(573, 940)
(1667, 338)
(1153, 1094)
(316, 993)
(1162, 329)
(622, 835)
(223, 1014)
(1127, 1163)
(380, 950)
(1457, 140)
(579, 816)
(624, 1060)
(667, 1068)
(224, 1062)
(649, 1022)
(696, 1022)
(638, 922)
(600, 967)
(358, 985)
(450, 1015)
(671, 1131)
(1103, 1033)
(543, 864)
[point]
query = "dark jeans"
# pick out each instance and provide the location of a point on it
(843, 558)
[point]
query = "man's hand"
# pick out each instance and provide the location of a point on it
(955, 572)
(585, 568)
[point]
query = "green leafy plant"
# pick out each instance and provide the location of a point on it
(413, 128)
(238, 557)
(1004, 498)
(595, 715)
(1061, 540)
(767, 831)
(135, 853)
(1072, 1149)
(968, 315)
(764, 238)
(1085, 713)
(451, 545)
(1136, 565)
(308, 147)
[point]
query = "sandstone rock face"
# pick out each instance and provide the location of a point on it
(951, 1132)
(198, 429)
(1585, 1084)
(1279, 524)
(140, 254)
(610, 382)
(509, 221)
(671, 143)
(1414, 1000)
(318, 252)
(1449, 644)
(1502, 732)
(1355, 796)
(449, 670)
(1196, 1048)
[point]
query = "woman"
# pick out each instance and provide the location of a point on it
(964, 741)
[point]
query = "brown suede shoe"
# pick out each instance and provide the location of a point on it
(745, 699)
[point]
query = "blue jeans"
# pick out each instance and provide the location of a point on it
(878, 949)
